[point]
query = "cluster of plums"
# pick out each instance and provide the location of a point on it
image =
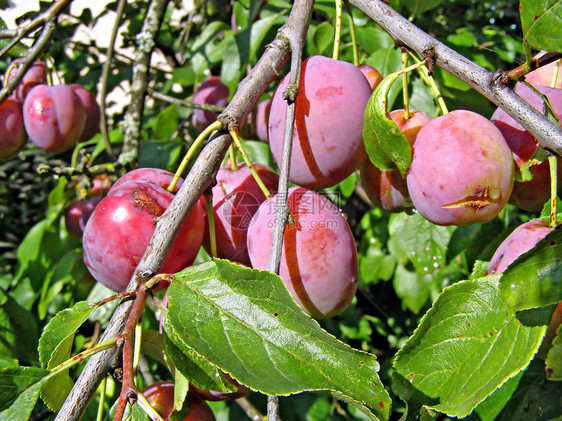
(463, 171)
(54, 117)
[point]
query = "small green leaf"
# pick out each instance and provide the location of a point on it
(541, 21)
(385, 143)
(165, 124)
(246, 323)
(17, 382)
(64, 324)
(163, 155)
(457, 355)
(554, 357)
(417, 7)
(534, 279)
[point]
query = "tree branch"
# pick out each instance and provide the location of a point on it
(547, 133)
(145, 45)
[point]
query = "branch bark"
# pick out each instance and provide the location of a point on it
(547, 133)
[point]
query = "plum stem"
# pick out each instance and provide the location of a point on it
(430, 82)
(148, 408)
(103, 389)
(233, 165)
(217, 125)
(211, 222)
(337, 33)
(555, 74)
(553, 164)
(405, 95)
(238, 142)
(353, 33)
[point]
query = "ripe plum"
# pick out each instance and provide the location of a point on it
(54, 117)
(212, 91)
(93, 113)
(77, 215)
(236, 198)
(327, 140)
(529, 195)
(543, 75)
(12, 131)
(161, 396)
(261, 119)
(319, 258)
(35, 75)
(157, 176)
(521, 240)
(462, 170)
(119, 231)
(213, 396)
(372, 75)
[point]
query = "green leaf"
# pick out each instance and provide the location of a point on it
(323, 37)
(535, 398)
(59, 328)
(541, 21)
(458, 354)
(165, 124)
(417, 7)
(246, 323)
(385, 143)
(414, 238)
(163, 155)
(14, 319)
(554, 358)
(192, 366)
(534, 279)
(412, 288)
(17, 382)
(494, 403)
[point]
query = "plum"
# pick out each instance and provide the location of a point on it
(319, 258)
(157, 176)
(121, 226)
(236, 197)
(532, 194)
(327, 140)
(213, 92)
(54, 117)
(160, 395)
(462, 170)
(35, 75)
(388, 190)
(12, 131)
(93, 112)
(543, 76)
(77, 215)
(372, 75)
(521, 240)
(261, 118)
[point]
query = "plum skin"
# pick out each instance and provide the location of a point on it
(54, 117)
(92, 109)
(160, 395)
(212, 91)
(319, 257)
(521, 240)
(35, 75)
(236, 197)
(13, 137)
(327, 139)
(462, 170)
(120, 228)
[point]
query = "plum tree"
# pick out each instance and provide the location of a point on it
(388, 190)
(236, 197)
(533, 191)
(212, 91)
(462, 170)
(12, 131)
(327, 140)
(319, 258)
(54, 117)
(120, 228)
